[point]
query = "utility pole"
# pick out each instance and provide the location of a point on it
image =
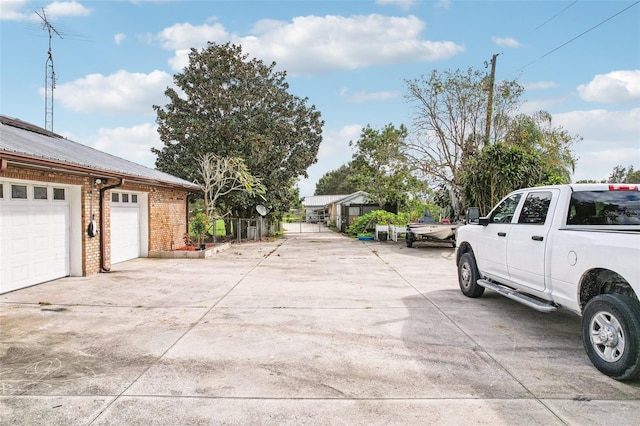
(50, 75)
(492, 78)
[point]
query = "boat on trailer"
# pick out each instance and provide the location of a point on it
(426, 229)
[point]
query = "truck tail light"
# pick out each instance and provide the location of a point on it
(623, 187)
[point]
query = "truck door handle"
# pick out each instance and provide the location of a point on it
(537, 238)
(502, 234)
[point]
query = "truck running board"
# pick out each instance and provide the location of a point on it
(529, 301)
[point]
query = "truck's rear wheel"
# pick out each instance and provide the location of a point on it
(611, 335)
(468, 276)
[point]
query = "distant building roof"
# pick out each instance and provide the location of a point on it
(321, 200)
(352, 197)
(325, 200)
(22, 142)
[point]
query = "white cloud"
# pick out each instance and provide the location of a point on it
(315, 44)
(402, 4)
(131, 143)
(335, 144)
(598, 165)
(611, 138)
(601, 128)
(180, 59)
(616, 87)
(66, 8)
(266, 25)
(14, 10)
(506, 42)
(119, 93)
(21, 10)
(184, 37)
(334, 152)
(187, 36)
(119, 38)
(363, 96)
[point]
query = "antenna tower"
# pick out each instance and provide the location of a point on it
(50, 74)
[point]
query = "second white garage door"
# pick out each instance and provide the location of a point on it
(127, 227)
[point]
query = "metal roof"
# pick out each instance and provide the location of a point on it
(351, 197)
(325, 200)
(25, 142)
(320, 200)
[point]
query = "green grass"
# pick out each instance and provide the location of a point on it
(220, 230)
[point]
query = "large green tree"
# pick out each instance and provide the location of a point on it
(532, 153)
(234, 106)
(380, 166)
(336, 182)
(553, 145)
(499, 169)
(451, 144)
(450, 120)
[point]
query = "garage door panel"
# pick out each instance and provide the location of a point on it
(41, 241)
(42, 219)
(40, 265)
(59, 244)
(18, 246)
(125, 233)
(19, 273)
(35, 242)
(21, 221)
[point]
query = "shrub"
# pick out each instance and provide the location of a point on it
(198, 226)
(367, 223)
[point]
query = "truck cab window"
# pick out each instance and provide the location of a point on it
(535, 208)
(503, 213)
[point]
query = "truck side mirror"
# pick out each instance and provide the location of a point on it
(473, 214)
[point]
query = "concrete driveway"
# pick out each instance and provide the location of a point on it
(310, 329)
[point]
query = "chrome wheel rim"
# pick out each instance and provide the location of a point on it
(465, 275)
(607, 336)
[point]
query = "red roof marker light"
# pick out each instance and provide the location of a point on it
(623, 187)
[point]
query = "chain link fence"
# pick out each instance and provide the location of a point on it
(236, 229)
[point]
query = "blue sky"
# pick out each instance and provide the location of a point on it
(350, 58)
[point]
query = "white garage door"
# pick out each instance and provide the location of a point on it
(125, 226)
(34, 234)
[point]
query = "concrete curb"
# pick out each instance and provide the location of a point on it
(200, 254)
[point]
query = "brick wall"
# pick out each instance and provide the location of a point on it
(167, 218)
(90, 211)
(167, 209)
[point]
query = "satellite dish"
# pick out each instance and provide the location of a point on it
(262, 210)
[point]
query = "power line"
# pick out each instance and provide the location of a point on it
(554, 16)
(578, 36)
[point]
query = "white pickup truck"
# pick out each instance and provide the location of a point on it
(570, 246)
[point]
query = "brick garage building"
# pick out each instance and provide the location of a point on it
(69, 210)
